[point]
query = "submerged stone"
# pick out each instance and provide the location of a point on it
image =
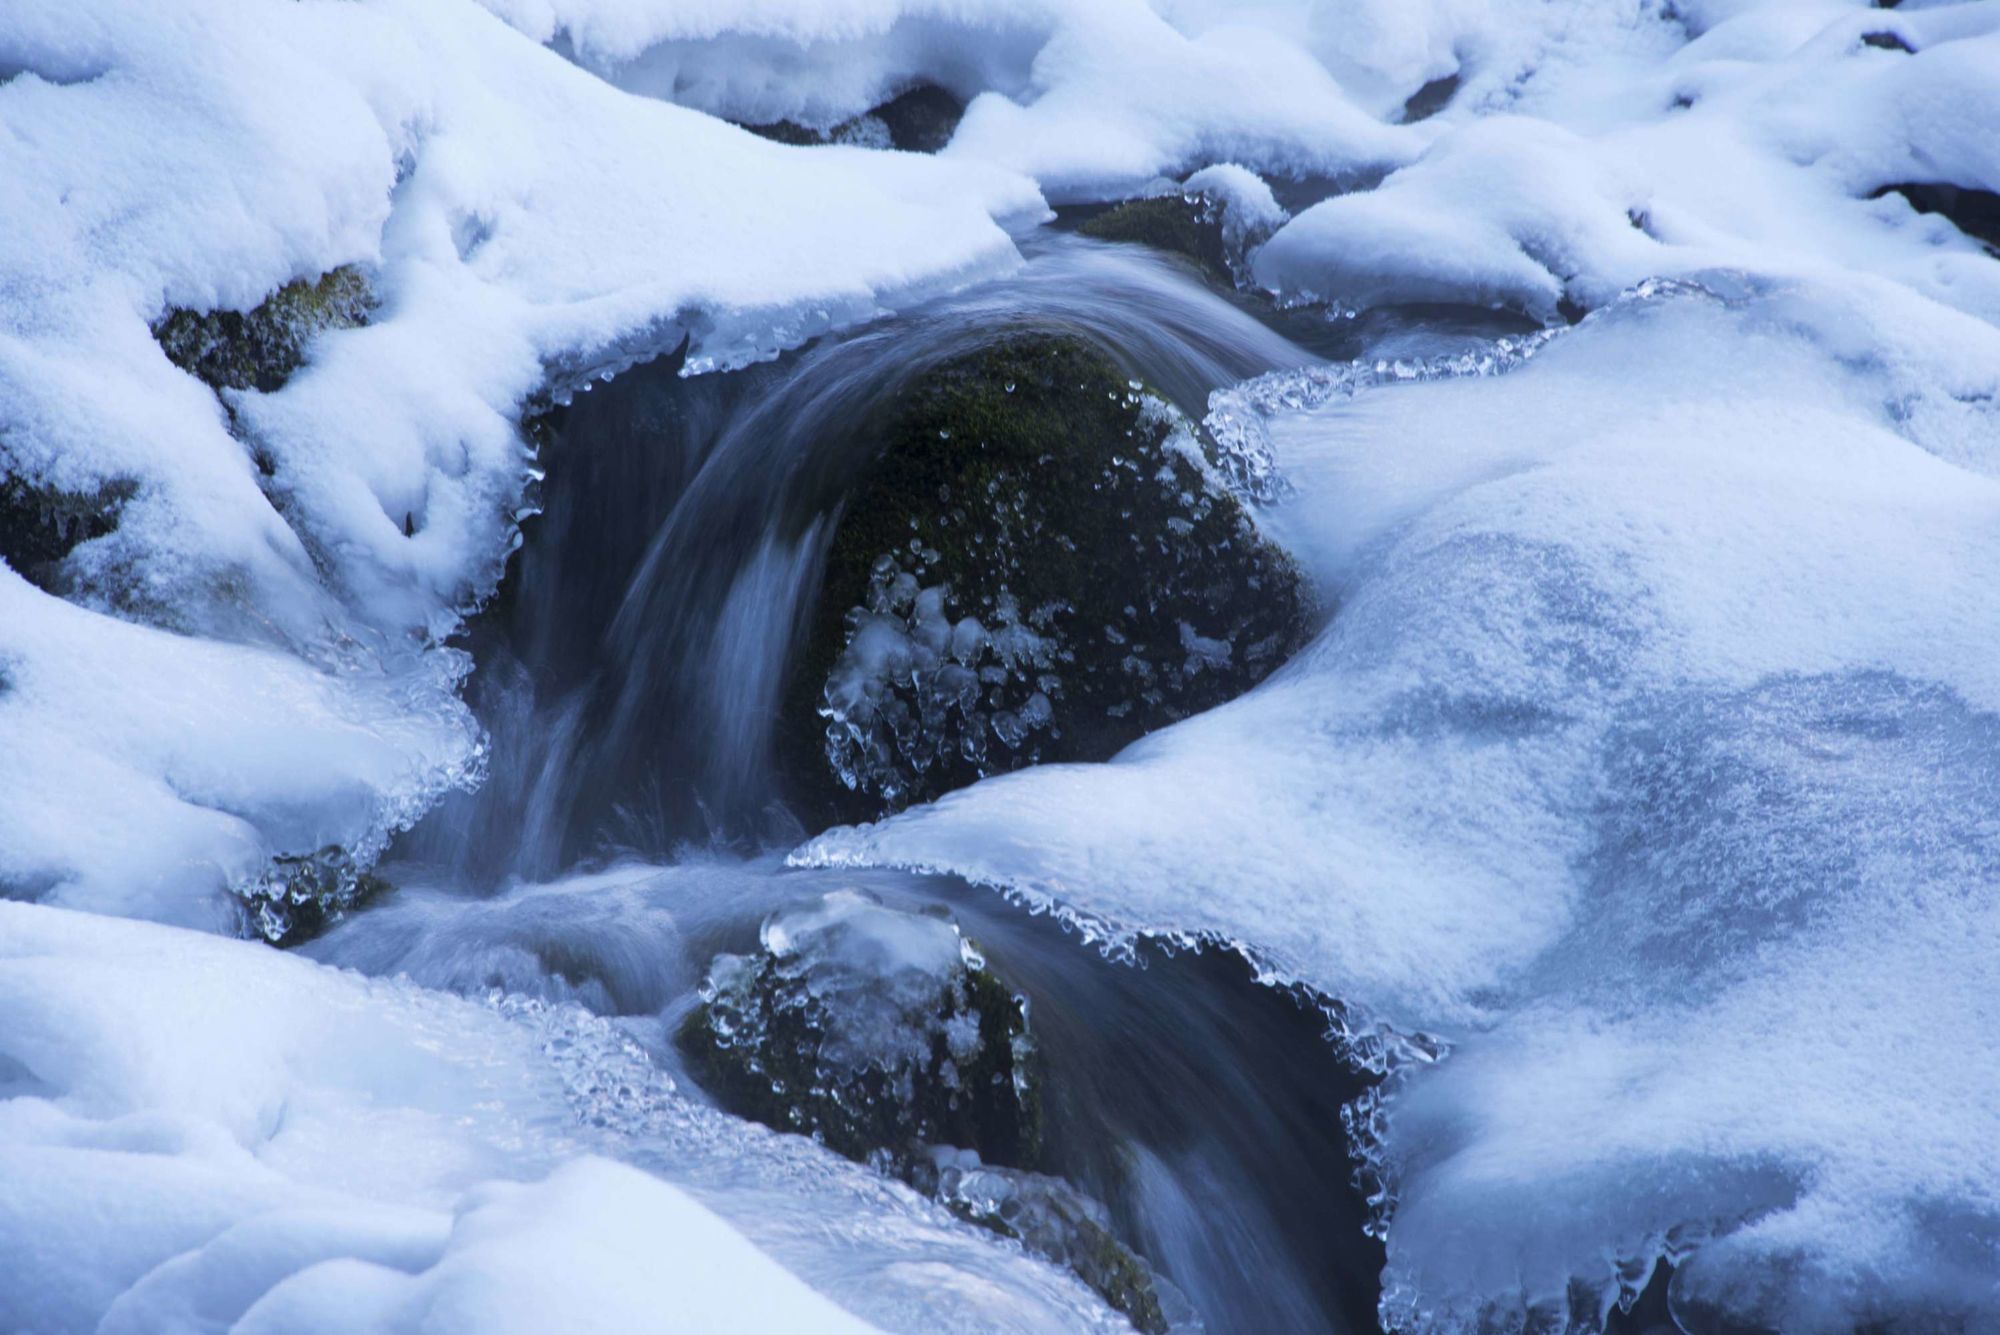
(261, 348)
(1041, 565)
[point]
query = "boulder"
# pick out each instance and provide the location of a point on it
(884, 1034)
(1040, 565)
(261, 348)
(875, 1031)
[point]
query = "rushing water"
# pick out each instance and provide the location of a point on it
(631, 674)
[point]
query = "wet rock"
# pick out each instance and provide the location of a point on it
(1058, 1223)
(875, 1031)
(261, 348)
(1187, 225)
(40, 526)
(300, 897)
(885, 1035)
(1040, 566)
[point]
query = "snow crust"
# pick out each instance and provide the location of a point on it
(251, 661)
(198, 1133)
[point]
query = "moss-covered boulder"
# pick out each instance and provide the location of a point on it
(872, 1030)
(1040, 565)
(299, 897)
(261, 348)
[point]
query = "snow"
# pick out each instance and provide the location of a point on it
(1091, 98)
(203, 1133)
(1647, 767)
(1649, 764)
(518, 220)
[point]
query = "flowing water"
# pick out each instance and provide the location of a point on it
(631, 674)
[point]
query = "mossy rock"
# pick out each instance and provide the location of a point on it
(948, 1061)
(261, 348)
(301, 896)
(1039, 566)
(41, 526)
(1186, 225)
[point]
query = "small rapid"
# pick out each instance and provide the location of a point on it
(631, 674)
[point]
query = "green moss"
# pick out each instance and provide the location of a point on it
(40, 526)
(1173, 223)
(261, 348)
(1032, 480)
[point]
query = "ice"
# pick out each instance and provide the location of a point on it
(203, 1133)
(303, 553)
(1649, 768)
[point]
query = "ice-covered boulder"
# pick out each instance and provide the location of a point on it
(1040, 566)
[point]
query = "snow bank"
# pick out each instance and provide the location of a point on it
(300, 554)
(1092, 98)
(202, 1133)
(1762, 143)
(1650, 764)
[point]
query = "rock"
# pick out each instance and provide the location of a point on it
(875, 1031)
(1974, 212)
(261, 348)
(1040, 566)
(40, 526)
(1058, 1223)
(1185, 225)
(921, 120)
(884, 1034)
(301, 896)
